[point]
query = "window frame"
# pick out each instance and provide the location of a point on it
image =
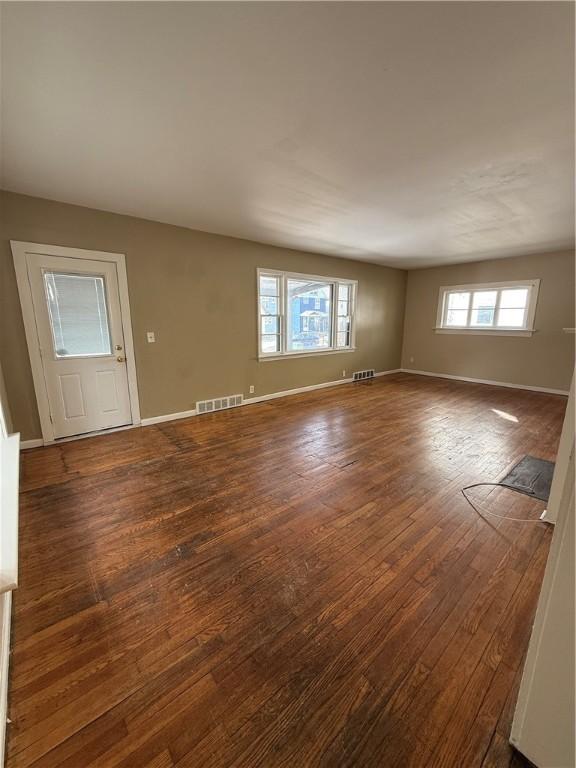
(87, 356)
(283, 278)
(533, 287)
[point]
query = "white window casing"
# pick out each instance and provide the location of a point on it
(337, 331)
(503, 308)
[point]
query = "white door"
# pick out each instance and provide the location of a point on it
(79, 324)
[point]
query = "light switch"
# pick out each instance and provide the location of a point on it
(151, 337)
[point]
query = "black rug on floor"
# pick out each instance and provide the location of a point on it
(531, 476)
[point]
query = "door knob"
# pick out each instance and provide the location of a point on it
(121, 359)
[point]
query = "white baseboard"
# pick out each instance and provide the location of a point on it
(287, 392)
(24, 444)
(248, 401)
(259, 398)
(299, 390)
(5, 614)
(167, 417)
(486, 381)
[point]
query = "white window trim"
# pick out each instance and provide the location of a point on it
(284, 352)
(528, 329)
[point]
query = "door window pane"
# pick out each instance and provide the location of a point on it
(78, 314)
(309, 315)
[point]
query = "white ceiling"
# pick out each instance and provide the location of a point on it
(408, 134)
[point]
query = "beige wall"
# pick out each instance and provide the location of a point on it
(545, 359)
(197, 292)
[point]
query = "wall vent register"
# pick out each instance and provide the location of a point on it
(362, 375)
(219, 403)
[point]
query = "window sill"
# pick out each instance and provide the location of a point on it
(291, 355)
(487, 331)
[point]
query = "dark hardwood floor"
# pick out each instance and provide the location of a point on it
(294, 583)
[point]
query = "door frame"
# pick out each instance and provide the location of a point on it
(20, 250)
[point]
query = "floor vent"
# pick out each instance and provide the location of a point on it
(219, 403)
(361, 375)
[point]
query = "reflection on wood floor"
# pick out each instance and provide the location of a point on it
(294, 583)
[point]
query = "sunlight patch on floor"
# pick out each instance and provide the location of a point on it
(504, 415)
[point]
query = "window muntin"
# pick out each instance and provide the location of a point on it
(304, 314)
(488, 307)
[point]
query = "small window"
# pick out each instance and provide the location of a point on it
(270, 313)
(344, 316)
(490, 307)
(302, 314)
(78, 314)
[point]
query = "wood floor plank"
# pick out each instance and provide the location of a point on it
(299, 582)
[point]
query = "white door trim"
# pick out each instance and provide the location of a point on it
(19, 252)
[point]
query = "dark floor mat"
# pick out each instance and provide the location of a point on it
(531, 476)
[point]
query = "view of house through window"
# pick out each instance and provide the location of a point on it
(309, 315)
(491, 307)
(299, 314)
